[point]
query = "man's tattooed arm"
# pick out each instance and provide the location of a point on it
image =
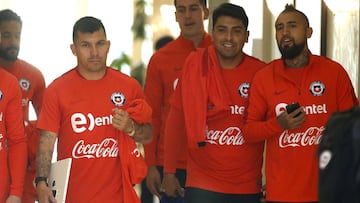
(44, 154)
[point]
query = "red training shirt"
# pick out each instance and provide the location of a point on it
(13, 153)
(322, 88)
(163, 71)
(32, 85)
(227, 163)
(80, 111)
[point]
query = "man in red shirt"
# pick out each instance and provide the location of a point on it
(89, 110)
(146, 195)
(321, 87)
(208, 104)
(13, 154)
(163, 72)
(32, 85)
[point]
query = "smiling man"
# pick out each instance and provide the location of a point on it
(212, 90)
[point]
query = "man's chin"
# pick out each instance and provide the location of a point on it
(9, 58)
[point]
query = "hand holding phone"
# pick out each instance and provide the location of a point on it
(292, 107)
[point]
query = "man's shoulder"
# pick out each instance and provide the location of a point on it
(170, 47)
(64, 78)
(8, 83)
(6, 76)
(119, 77)
(179, 45)
(116, 73)
(268, 68)
(325, 61)
(20, 63)
(255, 61)
(21, 68)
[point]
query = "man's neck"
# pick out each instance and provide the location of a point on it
(196, 39)
(229, 63)
(5, 63)
(298, 62)
(92, 75)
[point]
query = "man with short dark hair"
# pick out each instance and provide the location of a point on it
(209, 105)
(162, 75)
(92, 110)
(13, 153)
(32, 85)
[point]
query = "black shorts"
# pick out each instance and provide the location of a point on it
(196, 195)
(280, 202)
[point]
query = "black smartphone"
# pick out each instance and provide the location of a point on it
(292, 107)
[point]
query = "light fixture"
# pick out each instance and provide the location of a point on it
(342, 6)
(276, 6)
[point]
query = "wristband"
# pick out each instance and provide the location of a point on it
(40, 179)
(132, 132)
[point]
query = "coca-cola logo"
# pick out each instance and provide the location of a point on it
(1, 142)
(136, 152)
(176, 81)
(107, 148)
(230, 136)
(312, 136)
(1, 137)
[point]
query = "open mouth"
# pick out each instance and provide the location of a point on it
(228, 45)
(285, 42)
(189, 24)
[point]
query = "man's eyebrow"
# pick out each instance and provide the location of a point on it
(288, 22)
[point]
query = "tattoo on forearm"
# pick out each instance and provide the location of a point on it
(44, 154)
(143, 132)
(138, 129)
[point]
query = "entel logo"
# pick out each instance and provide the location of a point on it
(81, 123)
(176, 81)
(235, 109)
(310, 109)
(1, 137)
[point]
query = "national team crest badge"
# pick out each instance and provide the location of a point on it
(118, 99)
(244, 89)
(317, 88)
(24, 84)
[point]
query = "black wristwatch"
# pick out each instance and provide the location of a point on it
(40, 179)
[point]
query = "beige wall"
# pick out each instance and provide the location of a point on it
(212, 5)
(343, 42)
(158, 29)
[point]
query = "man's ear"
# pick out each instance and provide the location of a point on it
(206, 13)
(108, 48)
(309, 32)
(73, 49)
